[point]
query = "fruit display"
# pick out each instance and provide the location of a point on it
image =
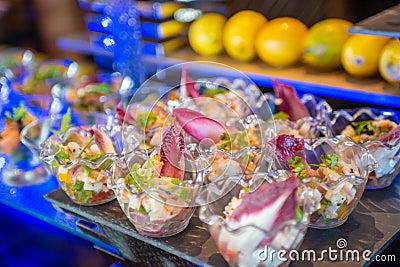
(205, 34)
(360, 54)
(324, 42)
(389, 61)
(239, 34)
(279, 42)
(286, 42)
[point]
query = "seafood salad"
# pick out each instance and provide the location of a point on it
(335, 181)
(154, 194)
(294, 117)
(45, 74)
(78, 157)
(251, 220)
(143, 124)
(16, 116)
(333, 200)
(365, 131)
(85, 94)
(379, 132)
(214, 97)
(211, 132)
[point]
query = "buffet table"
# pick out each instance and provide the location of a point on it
(373, 225)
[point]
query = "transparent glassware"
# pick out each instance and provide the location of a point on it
(89, 93)
(24, 166)
(46, 73)
(338, 193)
(84, 176)
(223, 94)
(386, 153)
(309, 127)
(160, 206)
(250, 242)
(16, 62)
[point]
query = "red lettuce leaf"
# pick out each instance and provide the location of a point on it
(286, 147)
(253, 203)
(172, 153)
(291, 103)
(393, 135)
(198, 125)
(188, 87)
(123, 116)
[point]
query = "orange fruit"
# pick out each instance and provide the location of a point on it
(279, 42)
(389, 61)
(239, 34)
(205, 34)
(324, 42)
(360, 54)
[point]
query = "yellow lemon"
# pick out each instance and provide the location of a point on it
(279, 42)
(205, 34)
(389, 61)
(239, 34)
(360, 54)
(324, 42)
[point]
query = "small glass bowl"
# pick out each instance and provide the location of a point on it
(90, 93)
(24, 167)
(308, 127)
(337, 194)
(41, 78)
(16, 62)
(248, 243)
(160, 206)
(316, 106)
(83, 178)
(387, 153)
(225, 95)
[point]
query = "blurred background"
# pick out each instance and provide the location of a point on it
(38, 24)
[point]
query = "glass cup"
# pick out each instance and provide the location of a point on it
(386, 151)
(279, 224)
(157, 206)
(80, 158)
(24, 165)
(335, 170)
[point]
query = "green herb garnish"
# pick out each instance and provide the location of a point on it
(281, 116)
(330, 161)
(175, 181)
(94, 157)
(101, 88)
(65, 124)
(87, 169)
(228, 140)
(145, 120)
(182, 194)
(299, 168)
(142, 210)
(299, 213)
(86, 146)
(364, 127)
(214, 91)
(18, 113)
(62, 155)
(82, 194)
(48, 73)
(85, 196)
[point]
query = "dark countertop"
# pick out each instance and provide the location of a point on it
(373, 224)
